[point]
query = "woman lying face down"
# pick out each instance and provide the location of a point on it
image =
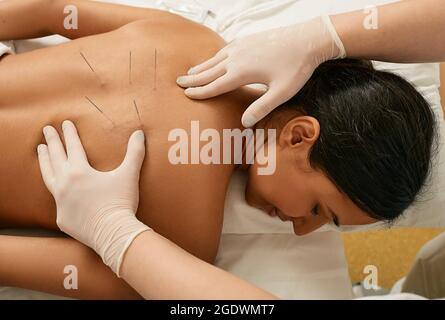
(354, 146)
(349, 139)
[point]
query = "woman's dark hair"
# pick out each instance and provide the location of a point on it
(377, 134)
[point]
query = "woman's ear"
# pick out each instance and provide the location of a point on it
(299, 131)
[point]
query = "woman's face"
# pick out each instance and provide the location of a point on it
(295, 191)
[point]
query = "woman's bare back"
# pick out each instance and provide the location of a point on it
(110, 85)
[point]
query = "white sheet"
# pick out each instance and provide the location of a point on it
(291, 267)
(6, 47)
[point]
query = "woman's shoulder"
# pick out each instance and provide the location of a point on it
(168, 25)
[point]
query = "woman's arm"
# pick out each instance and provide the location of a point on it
(39, 263)
(97, 17)
(157, 268)
(25, 19)
(22, 19)
(406, 31)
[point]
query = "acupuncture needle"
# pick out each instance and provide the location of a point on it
(98, 109)
(137, 111)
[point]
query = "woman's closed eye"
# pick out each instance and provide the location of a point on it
(314, 210)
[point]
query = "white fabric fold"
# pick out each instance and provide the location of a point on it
(6, 47)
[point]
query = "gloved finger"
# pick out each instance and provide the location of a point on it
(135, 154)
(223, 84)
(56, 151)
(74, 148)
(45, 166)
(265, 105)
(216, 59)
(202, 78)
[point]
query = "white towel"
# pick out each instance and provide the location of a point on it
(6, 47)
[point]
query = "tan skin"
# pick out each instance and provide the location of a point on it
(50, 85)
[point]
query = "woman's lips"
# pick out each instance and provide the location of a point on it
(282, 216)
(274, 212)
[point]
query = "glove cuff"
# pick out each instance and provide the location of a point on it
(114, 232)
(335, 37)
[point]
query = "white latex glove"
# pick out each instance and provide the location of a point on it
(96, 208)
(283, 59)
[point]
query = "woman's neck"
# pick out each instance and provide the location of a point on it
(256, 141)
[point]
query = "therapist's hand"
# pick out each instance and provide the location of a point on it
(282, 58)
(96, 208)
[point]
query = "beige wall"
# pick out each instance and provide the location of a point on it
(391, 251)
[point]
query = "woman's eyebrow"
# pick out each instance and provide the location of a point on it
(334, 216)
